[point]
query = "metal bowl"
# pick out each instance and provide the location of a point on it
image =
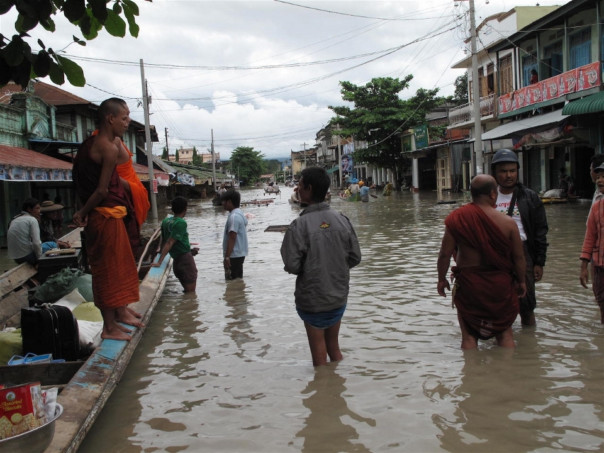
(33, 441)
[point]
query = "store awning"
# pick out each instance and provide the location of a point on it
(588, 104)
(21, 164)
(515, 127)
(332, 169)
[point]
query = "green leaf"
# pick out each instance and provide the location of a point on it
(49, 25)
(41, 44)
(27, 8)
(56, 74)
(117, 8)
(132, 25)
(79, 41)
(13, 52)
(41, 64)
(115, 25)
(5, 73)
(73, 71)
(85, 25)
(95, 26)
(44, 9)
(74, 10)
(133, 7)
(99, 9)
(5, 6)
(25, 23)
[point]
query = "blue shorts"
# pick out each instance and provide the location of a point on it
(322, 320)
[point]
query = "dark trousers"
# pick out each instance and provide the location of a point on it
(529, 302)
(31, 259)
(236, 268)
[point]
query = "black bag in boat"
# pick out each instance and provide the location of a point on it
(50, 329)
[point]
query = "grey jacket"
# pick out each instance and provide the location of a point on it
(320, 247)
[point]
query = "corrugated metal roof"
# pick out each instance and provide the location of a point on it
(26, 158)
(48, 93)
(512, 127)
(588, 104)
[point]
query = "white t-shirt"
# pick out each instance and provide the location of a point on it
(503, 204)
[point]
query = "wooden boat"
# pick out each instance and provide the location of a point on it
(263, 202)
(85, 386)
(271, 189)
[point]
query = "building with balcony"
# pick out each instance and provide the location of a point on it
(494, 75)
(553, 120)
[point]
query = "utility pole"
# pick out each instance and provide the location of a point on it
(339, 159)
(149, 146)
(476, 94)
(167, 149)
(304, 147)
(213, 160)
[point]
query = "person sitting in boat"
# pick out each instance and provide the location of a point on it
(49, 213)
(23, 235)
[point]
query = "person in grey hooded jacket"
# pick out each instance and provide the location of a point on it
(320, 247)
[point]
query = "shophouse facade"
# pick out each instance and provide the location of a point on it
(40, 130)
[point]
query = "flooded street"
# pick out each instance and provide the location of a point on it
(230, 369)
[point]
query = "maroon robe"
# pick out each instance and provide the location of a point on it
(485, 296)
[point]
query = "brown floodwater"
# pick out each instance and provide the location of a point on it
(230, 370)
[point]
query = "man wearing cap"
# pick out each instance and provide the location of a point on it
(526, 208)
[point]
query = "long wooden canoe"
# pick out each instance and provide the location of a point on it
(85, 386)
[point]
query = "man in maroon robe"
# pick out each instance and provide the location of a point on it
(489, 275)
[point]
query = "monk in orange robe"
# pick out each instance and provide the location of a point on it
(137, 192)
(103, 204)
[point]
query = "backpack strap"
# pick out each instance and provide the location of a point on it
(512, 203)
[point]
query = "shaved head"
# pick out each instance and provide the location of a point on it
(111, 106)
(482, 185)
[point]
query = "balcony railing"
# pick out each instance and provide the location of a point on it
(66, 132)
(575, 80)
(465, 114)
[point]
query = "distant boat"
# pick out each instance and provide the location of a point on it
(271, 189)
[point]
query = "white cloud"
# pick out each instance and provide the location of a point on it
(273, 110)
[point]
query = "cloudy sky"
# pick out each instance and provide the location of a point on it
(262, 73)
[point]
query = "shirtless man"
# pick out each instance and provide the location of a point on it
(490, 272)
(103, 204)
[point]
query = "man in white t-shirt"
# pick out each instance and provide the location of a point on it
(527, 210)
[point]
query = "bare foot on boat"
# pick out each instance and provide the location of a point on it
(124, 329)
(123, 315)
(134, 313)
(115, 334)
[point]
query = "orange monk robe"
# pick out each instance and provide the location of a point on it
(138, 193)
(114, 274)
(140, 197)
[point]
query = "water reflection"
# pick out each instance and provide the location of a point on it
(493, 405)
(239, 326)
(326, 428)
